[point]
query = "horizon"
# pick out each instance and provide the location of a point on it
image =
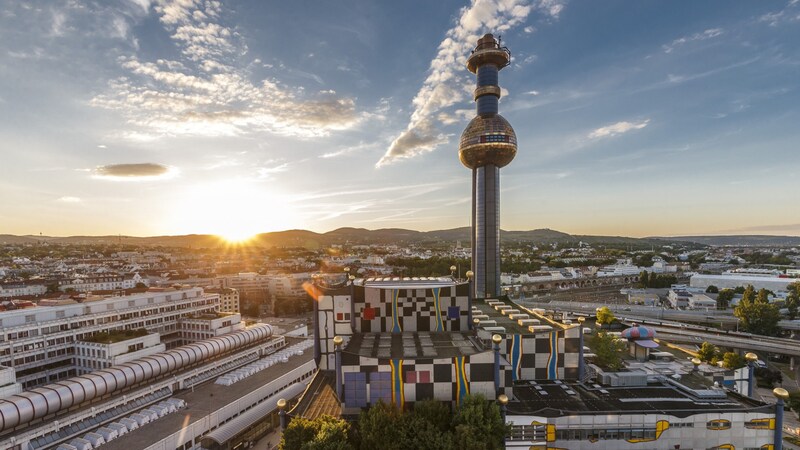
(385, 228)
(148, 118)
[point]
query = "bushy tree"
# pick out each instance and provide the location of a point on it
(793, 299)
(756, 314)
(605, 316)
(724, 298)
(711, 289)
(378, 427)
(708, 352)
(323, 433)
(644, 279)
(732, 360)
(608, 350)
(478, 425)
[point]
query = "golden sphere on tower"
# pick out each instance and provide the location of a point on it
(337, 340)
(751, 357)
(487, 140)
(503, 399)
(470, 274)
(497, 338)
(781, 393)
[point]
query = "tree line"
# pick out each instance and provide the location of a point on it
(475, 425)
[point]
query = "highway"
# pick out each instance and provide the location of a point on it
(649, 312)
(669, 329)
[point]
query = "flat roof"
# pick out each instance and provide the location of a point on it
(409, 282)
(203, 400)
(413, 345)
(553, 398)
(512, 326)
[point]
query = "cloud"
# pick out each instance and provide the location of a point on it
(68, 199)
(787, 14)
(617, 128)
(702, 36)
(140, 171)
(205, 93)
(446, 81)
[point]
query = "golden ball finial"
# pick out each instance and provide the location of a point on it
(497, 338)
(476, 321)
(337, 341)
(347, 269)
(351, 277)
(503, 399)
(781, 393)
(696, 361)
(470, 274)
(282, 403)
(751, 357)
(453, 268)
(581, 319)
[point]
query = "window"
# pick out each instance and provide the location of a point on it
(368, 313)
(453, 312)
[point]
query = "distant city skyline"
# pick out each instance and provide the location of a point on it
(161, 118)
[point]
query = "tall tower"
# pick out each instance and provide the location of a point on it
(487, 144)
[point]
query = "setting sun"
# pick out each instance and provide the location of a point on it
(235, 210)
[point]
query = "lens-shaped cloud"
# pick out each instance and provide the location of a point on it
(132, 172)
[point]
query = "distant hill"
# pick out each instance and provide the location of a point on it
(310, 239)
(754, 240)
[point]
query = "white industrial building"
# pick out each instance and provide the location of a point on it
(731, 280)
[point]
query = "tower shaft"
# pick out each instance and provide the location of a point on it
(487, 144)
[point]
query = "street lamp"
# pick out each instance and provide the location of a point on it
(751, 369)
(782, 395)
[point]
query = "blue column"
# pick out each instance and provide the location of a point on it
(751, 370)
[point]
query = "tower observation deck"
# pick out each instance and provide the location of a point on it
(487, 144)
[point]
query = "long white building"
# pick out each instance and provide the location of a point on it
(732, 280)
(39, 343)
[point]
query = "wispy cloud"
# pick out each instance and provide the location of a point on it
(789, 13)
(446, 81)
(68, 199)
(618, 128)
(206, 94)
(702, 36)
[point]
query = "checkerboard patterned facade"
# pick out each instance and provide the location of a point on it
(402, 382)
(395, 310)
(391, 310)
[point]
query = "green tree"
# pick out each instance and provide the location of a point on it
(762, 296)
(724, 298)
(749, 293)
(792, 302)
(420, 432)
(608, 350)
(757, 316)
(478, 425)
(712, 289)
(605, 316)
(644, 279)
(379, 427)
(793, 299)
(707, 352)
(732, 360)
(323, 433)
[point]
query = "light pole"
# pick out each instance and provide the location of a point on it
(496, 339)
(751, 370)
(581, 368)
(782, 395)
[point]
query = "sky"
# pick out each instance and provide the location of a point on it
(142, 117)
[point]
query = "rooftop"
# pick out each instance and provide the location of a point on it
(203, 400)
(112, 337)
(413, 345)
(556, 398)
